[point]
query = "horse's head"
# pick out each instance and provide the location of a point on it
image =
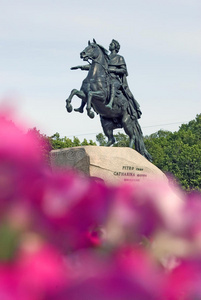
(92, 51)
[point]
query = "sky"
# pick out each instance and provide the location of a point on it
(41, 40)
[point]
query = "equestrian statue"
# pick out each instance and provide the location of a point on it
(105, 91)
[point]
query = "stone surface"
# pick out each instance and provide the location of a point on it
(112, 164)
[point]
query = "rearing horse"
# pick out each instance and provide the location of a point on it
(95, 85)
(95, 93)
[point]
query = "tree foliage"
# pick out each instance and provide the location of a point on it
(179, 153)
(101, 139)
(121, 140)
(58, 142)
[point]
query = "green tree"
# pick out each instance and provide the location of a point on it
(179, 153)
(90, 143)
(101, 139)
(121, 140)
(76, 142)
(58, 143)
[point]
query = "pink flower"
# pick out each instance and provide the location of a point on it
(9, 284)
(67, 236)
(71, 209)
(183, 282)
(17, 147)
(20, 164)
(38, 269)
(142, 210)
(192, 216)
(127, 274)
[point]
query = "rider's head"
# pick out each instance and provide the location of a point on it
(117, 45)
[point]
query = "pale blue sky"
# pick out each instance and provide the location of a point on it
(160, 40)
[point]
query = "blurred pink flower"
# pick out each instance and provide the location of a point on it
(127, 274)
(192, 215)
(9, 284)
(40, 268)
(183, 282)
(65, 236)
(71, 209)
(37, 269)
(20, 164)
(16, 146)
(144, 209)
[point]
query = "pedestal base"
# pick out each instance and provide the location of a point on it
(111, 164)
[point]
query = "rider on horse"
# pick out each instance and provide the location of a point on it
(118, 73)
(106, 83)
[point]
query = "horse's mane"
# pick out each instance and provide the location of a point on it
(105, 52)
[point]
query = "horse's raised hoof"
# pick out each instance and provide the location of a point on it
(110, 142)
(79, 109)
(90, 114)
(69, 107)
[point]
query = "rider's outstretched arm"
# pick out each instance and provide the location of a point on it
(85, 68)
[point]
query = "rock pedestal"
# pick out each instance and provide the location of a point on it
(113, 165)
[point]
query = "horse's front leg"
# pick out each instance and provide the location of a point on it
(91, 94)
(74, 92)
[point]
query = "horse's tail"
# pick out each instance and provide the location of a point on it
(139, 141)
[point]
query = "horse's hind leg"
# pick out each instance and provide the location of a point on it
(128, 128)
(108, 127)
(74, 92)
(110, 136)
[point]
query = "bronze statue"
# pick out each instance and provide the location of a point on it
(106, 91)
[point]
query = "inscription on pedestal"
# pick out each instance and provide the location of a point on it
(135, 173)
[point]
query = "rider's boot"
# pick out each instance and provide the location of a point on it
(81, 108)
